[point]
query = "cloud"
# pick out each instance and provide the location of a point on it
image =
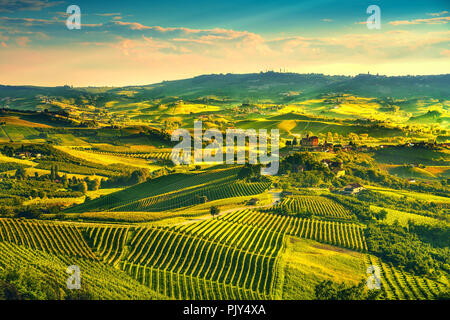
(438, 20)
(142, 53)
(26, 5)
(22, 41)
(437, 14)
(29, 21)
(133, 25)
(107, 14)
(3, 37)
(327, 20)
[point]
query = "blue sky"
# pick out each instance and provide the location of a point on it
(139, 42)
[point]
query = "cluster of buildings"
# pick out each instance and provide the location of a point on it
(352, 188)
(311, 143)
(27, 155)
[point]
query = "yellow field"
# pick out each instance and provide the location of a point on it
(109, 159)
(65, 202)
(305, 263)
(72, 201)
(128, 148)
(19, 122)
(437, 170)
(4, 158)
(187, 108)
(409, 194)
(287, 125)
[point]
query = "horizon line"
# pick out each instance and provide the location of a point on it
(224, 74)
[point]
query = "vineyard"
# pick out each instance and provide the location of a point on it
(228, 189)
(140, 155)
(210, 255)
(348, 235)
(54, 238)
(103, 281)
(400, 285)
(155, 187)
(207, 260)
(108, 242)
(232, 257)
(314, 205)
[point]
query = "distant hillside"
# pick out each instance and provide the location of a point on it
(411, 172)
(429, 117)
(270, 86)
(283, 87)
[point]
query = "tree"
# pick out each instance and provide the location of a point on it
(250, 172)
(34, 193)
(381, 215)
(65, 181)
(83, 187)
(328, 290)
(329, 137)
(214, 210)
(96, 184)
(8, 291)
(29, 213)
(20, 173)
(139, 176)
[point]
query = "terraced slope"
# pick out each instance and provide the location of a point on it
(101, 280)
(55, 238)
(226, 259)
(141, 155)
(315, 205)
(155, 187)
(107, 241)
(348, 235)
(213, 191)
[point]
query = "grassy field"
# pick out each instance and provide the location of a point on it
(66, 202)
(412, 173)
(410, 194)
(402, 155)
(305, 263)
(403, 217)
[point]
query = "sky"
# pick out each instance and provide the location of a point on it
(142, 42)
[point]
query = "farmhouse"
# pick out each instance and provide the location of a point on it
(353, 188)
(310, 141)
